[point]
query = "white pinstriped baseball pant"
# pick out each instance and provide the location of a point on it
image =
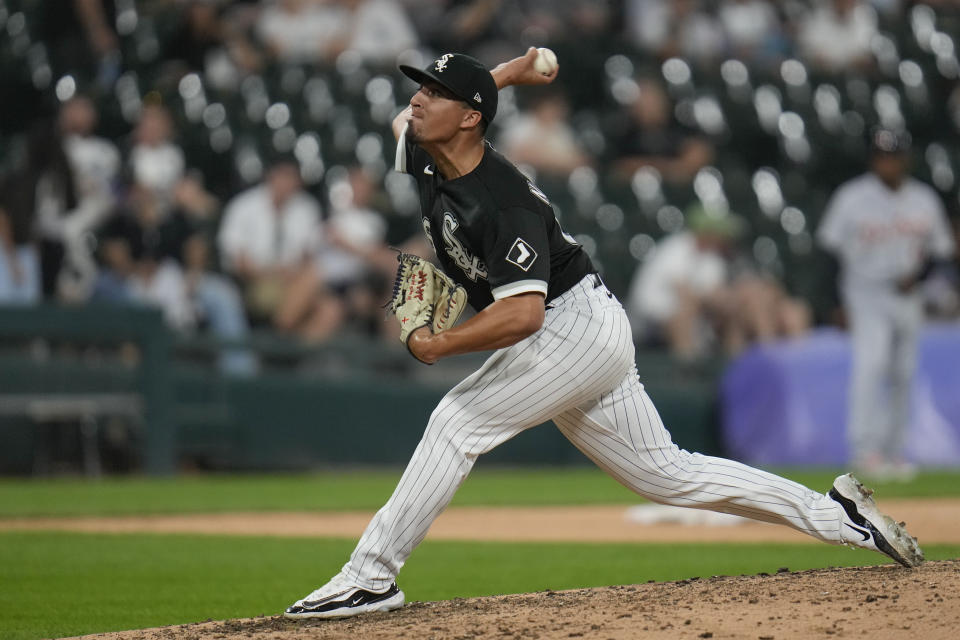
(579, 370)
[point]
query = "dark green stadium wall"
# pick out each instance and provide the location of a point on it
(356, 413)
(288, 422)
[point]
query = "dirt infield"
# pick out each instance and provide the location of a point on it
(882, 603)
(930, 520)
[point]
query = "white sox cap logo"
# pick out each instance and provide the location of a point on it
(442, 62)
(521, 254)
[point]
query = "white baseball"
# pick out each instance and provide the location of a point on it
(546, 62)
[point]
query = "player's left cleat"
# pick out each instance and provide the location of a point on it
(865, 526)
(341, 599)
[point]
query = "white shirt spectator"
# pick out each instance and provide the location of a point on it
(548, 145)
(95, 163)
(382, 31)
(158, 168)
(656, 25)
(674, 262)
(362, 229)
(835, 41)
(302, 31)
(252, 227)
(748, 24)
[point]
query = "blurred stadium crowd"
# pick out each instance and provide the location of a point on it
(230, 161)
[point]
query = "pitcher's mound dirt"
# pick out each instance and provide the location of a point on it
(880, 603)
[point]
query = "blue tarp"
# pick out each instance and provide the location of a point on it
(786, 403)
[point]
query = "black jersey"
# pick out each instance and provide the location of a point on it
(493, 231)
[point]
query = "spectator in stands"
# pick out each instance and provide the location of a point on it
(137, 243)
(836, 35)
(380, 30)
(695, 295)
(301, 31)
(197, 35)
(159, 281)
(212, 39)
(268, 240)
(304, 31)
(752, 31)
(761, 311)
(453, 25)
(19, 260)
(542, 139)
(216, 298)
(144, 225)
(678, 295)
(194, 202)
(649, 136)
(889, 232)
(155, 161)
(218, 304)
(82, 36)
(66, 214)
(356, 261)
(161, 259)
(668, 28)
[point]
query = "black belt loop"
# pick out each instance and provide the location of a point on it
(597, 283)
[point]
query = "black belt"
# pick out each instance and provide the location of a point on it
(597, 283)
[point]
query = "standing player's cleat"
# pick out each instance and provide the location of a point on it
(864, 526)
(341, 599)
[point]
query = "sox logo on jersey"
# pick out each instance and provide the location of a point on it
(471, 265)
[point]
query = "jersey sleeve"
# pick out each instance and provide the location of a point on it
(516, 251)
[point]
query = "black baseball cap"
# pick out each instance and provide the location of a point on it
(883, 140)
(464, 77)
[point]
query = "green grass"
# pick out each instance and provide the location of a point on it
(107, 582)
(113, 582)
(356, 490)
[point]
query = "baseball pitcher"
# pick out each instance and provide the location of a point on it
(562, 350)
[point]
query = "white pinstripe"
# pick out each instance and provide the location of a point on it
(579, 370)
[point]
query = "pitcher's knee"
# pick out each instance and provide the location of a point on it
(675, 474)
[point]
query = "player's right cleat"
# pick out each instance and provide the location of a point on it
(340, 599)
(865, 526)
